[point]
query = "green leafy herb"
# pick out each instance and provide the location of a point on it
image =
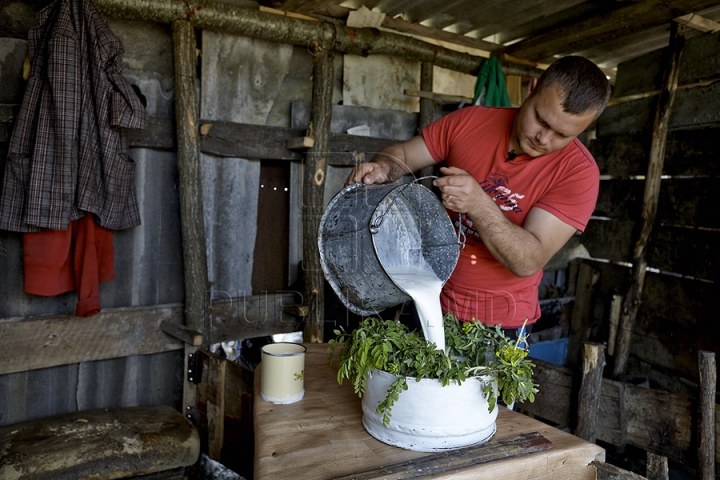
(473, 350)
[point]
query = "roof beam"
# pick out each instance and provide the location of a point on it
(306, 7)
(582, 35)
(699, 23)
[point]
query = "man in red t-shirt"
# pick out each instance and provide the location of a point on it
(517, 182)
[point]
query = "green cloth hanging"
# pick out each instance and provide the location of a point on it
(490, 89)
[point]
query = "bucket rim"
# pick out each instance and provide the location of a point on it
(328, 273)
(323, 261)
(423, 188)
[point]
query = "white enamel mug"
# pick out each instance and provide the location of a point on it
(283, 372)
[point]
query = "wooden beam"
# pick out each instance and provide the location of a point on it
(48, 341)
(31, 343)
(252, 22)
(582, 35)
(580, 323)
(316, 163)
(299, 143)
(276, 11)
(656, 467)
(229, 139)
(681, 86)
(589, 399)
(650, 200)
(699, 23)
(427, 111)
(419, 30)
(264, 142)
(706, 415)
(454, 460)
(427, 103)
(252, 316)
(160, 134)
(606, 471)
(189, 176)
(182, 333)
(215, 391)
(614, 322)
(297, 310)
(437, 97)
(305, 7)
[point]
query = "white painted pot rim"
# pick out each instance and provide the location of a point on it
(430, 417)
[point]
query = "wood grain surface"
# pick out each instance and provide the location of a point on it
(322, 437)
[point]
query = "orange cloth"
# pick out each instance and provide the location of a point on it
(76, 259)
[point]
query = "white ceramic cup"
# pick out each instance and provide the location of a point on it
(283, 372)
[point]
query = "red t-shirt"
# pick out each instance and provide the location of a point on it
(564, 183)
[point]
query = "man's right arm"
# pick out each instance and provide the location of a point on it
(392, 162)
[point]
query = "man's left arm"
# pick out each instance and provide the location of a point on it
(524, 250)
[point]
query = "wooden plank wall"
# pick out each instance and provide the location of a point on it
(651, 419)
(50, 340)
(678, 312)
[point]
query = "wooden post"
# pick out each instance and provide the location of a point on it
(650, 200)
(706, 415)
(188, 159)
(657, 467)
(615, 312)
(191, 208)
(215, 390)
(579, 328)
(427, 112)
(589, 399)
(316, 161)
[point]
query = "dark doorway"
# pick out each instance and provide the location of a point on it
(270, 266)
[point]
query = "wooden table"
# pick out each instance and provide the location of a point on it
(322, 437)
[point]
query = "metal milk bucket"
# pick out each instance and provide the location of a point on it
(368, 228)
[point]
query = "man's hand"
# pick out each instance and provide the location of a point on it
(523, 250)
(392, 162)
(369, 173)
(461, 193)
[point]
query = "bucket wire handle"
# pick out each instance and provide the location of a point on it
(375, 225)
(462, 238)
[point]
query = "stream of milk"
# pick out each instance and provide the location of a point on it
(398, 244)
(424, 287)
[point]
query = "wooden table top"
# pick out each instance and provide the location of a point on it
(322, 437)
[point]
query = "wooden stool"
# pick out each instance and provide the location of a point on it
(117, 443)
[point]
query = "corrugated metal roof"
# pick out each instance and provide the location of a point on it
(606, 32)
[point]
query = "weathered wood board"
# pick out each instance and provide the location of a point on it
(264, 142)
(253, 316)
(51, 340)
(700, 60)
(654, 420)
(693, 108)
(688, 152)
(686, 202)
(676, 317)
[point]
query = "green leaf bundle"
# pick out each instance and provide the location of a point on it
(473, 350)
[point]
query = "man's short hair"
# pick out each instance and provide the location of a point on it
(584, 86)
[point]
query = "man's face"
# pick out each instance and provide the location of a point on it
(541, 126)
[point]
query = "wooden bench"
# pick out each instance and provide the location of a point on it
(116, 443)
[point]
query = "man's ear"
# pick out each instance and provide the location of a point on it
(531, 87)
